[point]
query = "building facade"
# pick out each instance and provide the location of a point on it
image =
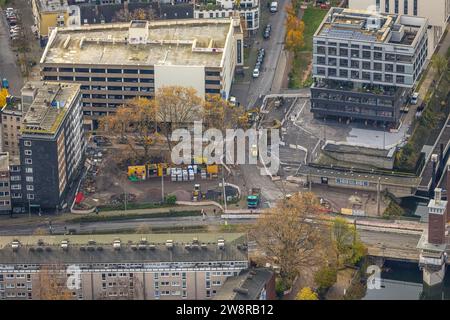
(117, 62)
(134, 267)
(11, 124)
(365, 64)
(5, 192)
(50, 146)
(436, 11)
(249, 11)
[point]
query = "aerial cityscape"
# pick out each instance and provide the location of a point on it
(194, 150)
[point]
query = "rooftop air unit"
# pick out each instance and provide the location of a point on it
(15, 245)
(65, 245)
(116, 244)
(221, 244)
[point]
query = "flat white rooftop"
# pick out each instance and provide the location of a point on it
(174, 42)
(361, 25)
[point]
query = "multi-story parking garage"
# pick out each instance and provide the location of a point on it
(117, 62)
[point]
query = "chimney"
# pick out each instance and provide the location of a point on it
(434, 160)
(437, 217)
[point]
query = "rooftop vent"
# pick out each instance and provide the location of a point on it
(169, 244)
(116, 244)
(64, 245)
(195, 242)
(221, 244)
(15, 245)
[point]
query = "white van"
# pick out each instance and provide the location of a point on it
(274, 7)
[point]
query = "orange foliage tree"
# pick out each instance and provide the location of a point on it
(295, 28)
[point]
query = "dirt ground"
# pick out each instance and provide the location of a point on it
(342, 198)
(111, 181)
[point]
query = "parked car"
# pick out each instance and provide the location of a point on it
(255, 73)
(273, 7)
(267, 31)
(233, 101)
(414, 98)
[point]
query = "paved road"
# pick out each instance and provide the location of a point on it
(88, 227)
(8, 67)
(248, 93)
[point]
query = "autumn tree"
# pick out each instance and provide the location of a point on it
(287, 237)
(439, 63)
(345, 242)
(295, 28)
(307, 294)
(139, 117)
(220, 114)
(123, 15)
(177, 106)
(52, 284)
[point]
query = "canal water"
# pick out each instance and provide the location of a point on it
(403, 281)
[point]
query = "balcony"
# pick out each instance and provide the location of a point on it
(350, 86)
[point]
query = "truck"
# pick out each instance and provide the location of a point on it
(253, 198)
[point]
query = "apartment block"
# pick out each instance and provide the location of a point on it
(11, 124)
(5, 192)
(366, 63)
(117, 62)
(50, 145)
(49, 14)
(132, 267)
(249, 11)
(436, 11)
(84, 12)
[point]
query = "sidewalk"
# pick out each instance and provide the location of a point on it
(431, 75)
(24, 219)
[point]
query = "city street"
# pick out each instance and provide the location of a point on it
(8, 66)
(248, 93)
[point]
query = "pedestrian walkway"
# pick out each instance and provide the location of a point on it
(431, 75)
(34, 219)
